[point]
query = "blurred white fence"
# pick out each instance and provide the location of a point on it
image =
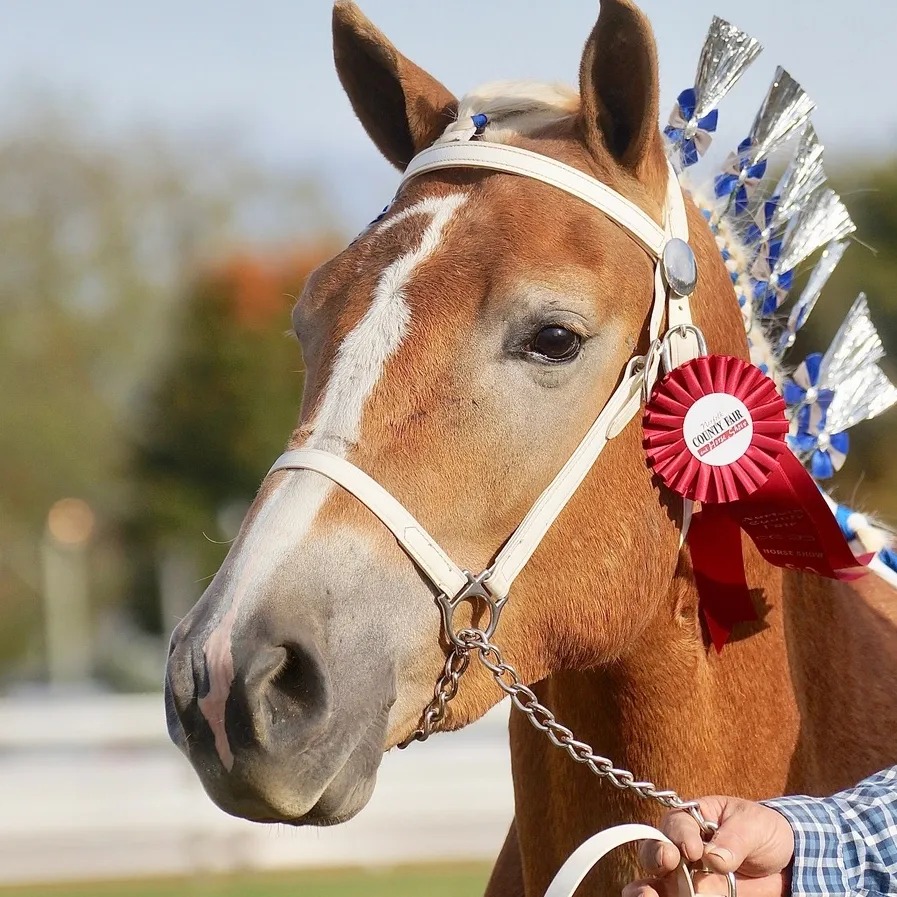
(91, 788)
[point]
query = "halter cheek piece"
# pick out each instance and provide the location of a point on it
(674, 282)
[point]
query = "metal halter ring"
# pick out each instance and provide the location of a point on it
(474, 590)
(729, 876)
(681, 330)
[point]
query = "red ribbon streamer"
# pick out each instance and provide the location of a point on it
(791, 525)
(714, 540)
(766, 492)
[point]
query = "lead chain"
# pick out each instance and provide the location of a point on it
(526, 700)
(446, 688)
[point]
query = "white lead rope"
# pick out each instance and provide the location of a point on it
(583, 859)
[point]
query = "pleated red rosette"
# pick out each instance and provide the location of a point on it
(715, 433)
(714, 429)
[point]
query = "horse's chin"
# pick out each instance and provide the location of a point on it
(337, 804)
(321, 786)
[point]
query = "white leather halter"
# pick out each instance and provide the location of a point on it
(681, 342)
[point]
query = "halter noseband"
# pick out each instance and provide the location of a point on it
(674, 282)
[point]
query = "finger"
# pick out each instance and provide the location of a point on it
(752, 838)
(648, 887)
(726, 855)
(658, 858)
(685, 833)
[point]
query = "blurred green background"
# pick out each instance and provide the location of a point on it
(457, 881)
(149, 378)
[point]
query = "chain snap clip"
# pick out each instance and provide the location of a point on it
(476, 592)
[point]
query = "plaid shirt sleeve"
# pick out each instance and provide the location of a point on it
(845, 844)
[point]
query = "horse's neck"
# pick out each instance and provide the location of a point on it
(842, 646)
(673, 713)
(788, 708)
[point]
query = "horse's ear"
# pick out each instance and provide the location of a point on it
(620, 90)
(402, 108)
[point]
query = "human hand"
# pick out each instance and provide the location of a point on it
(753, 841)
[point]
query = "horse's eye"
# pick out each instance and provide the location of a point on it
(555, 343)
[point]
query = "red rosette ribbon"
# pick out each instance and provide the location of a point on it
(714, 429)
(715, 432)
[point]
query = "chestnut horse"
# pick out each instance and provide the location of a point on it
(457, 351)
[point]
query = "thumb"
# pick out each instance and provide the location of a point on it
(752, 839)
(727, 851)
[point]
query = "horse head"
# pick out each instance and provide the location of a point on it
(456, 352)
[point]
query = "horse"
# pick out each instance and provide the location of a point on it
(457, 351)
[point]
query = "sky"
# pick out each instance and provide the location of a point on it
(261, 73)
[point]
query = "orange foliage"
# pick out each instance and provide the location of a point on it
(260, 287)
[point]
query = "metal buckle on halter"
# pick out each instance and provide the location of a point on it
(731, 881)
(475, 589)
(681, 330)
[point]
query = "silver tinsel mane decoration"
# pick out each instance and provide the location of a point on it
(767, 231)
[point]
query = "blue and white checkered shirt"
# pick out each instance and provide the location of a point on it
(845, 844)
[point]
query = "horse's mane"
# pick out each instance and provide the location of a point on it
(519, 107)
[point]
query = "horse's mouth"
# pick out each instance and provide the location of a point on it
(320, 785)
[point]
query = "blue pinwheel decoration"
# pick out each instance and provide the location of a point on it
(692, 135)
(802, 393)
(740, 177)
(825, 452)
(771, 287)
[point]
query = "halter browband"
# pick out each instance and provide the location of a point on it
(681, 342)
(515, 160)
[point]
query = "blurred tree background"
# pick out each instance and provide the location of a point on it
(145, 291)
(148, 369)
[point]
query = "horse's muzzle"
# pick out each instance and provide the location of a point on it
(256, 717)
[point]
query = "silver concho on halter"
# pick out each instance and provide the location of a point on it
(680, 273)
(680, 269)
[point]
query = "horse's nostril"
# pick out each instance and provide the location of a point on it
(284, 696)
(180, 690)
(301, 677)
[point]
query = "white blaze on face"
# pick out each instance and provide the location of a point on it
(287, 515)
